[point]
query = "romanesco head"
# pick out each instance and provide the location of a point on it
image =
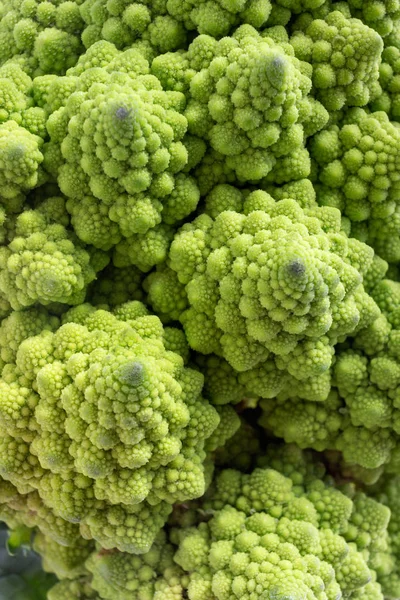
(345, 57)
(20, 159)
(45, 262)
(272, 285)
(46, 34)
(120, 153)
(360, 160)
(298, 541)
(120, 424)
(258, 108)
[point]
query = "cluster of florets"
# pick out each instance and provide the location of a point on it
(389, 78)
(344, 53)
(232, 166)
(218, 17)
(22, 131)
(114, 423)
(45, 262)
(361, 416)
(46, 35)
(108, 574)
(250, 99)
(271, 289)
(357, 165)
(381, 15)
(16, 102)
(20, 158)
(118, 152)
(387, 491)
(382, 234)
(277, 530)
(123, 23)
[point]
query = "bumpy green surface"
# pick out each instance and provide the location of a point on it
(358, 164)
(345, 55)
(44, 262)
(200, 248)
(113, 413)
(45, 34)
(124, 22)
(361, 414)
(217, 17)
(249, 278)
(249, 97)
(117, 153)
(281, 530)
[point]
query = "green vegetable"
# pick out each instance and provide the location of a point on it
(200, 299)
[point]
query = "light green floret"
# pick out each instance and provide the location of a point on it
(272, 289)
(368, 522)
(235, 557)
(173, 71)
(389, 78)
(212, 170)
(21, 325)
(45, 262)
(123, 23)
(29, 510)
(218, 17)
(165, 294)
(376, 272)
(383, 234)
(14, 72)
(221, 198)
(16, 102)
(368, 380)
(129, 528)
(364, 447)
(45, 34)
(250, 99)
(144, 250)
(116, 149)
(116, 424)
(345, 55)
(73, 589)
(361, 417)
(67, 562)
(126, 577)
(370, 388)
(221, 382)
(175, 341)
(381, 15)
(110, 574)
(266, 536)
(359, 161)
(373, 339)
(302, 12)
(20, 159)
(228, 426)
(91, 223)
(302, 191)
(387, 296)
(100, 55)
(308, 424)
(16, 464)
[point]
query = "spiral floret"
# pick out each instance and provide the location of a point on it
(117, 424)
(250, 99)
(271, 289)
